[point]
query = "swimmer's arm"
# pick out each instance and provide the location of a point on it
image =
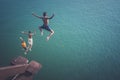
(51, 16)
(36, 15)
(23, 32)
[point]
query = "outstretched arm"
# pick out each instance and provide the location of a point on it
(36, 15)
(52, 16)
(23, 32)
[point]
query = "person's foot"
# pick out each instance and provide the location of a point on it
(25, 53)
(42, 33)
(47, 38)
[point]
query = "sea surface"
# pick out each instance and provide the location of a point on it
(86, 43)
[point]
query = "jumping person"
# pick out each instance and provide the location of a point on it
(30, 39)
(45, 25)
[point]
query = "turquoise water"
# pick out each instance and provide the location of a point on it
(85, 45)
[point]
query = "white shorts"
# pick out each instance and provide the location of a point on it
(30, 41)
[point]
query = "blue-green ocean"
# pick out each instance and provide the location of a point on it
(86, 43)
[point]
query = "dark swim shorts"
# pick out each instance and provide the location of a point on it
(45, 27)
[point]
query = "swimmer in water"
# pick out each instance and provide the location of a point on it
(30, 39)
(45, 25)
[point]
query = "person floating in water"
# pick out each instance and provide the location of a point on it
(24, 46)
(45, 25)
(30, 39)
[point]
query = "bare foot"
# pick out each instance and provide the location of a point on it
(42, 33)
(48, 38)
